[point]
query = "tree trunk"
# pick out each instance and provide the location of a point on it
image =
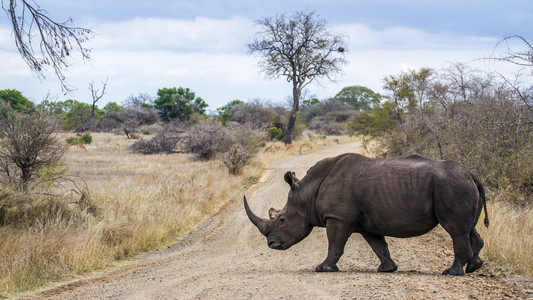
(296, 92)
(25, 176)
(91, 123)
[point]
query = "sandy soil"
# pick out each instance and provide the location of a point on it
(227, 258)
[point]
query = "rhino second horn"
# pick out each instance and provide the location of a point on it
(260, 223)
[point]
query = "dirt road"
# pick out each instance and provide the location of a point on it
(227, 258)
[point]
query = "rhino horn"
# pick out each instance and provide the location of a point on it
(260, 223)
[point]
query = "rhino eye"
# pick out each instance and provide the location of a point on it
(282, 219)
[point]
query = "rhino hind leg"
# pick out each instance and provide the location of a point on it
(380, 247)
(476, 243)
(338, 234)
(463, 254)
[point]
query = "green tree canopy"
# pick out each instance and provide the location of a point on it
(17, 101)
(178, 103)
(78, 116)
(359, 97)
(223, 112)
(113, 107)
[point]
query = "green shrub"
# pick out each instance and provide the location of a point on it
(72, 140)
(146, 132)
(275, 133)
(86, 138)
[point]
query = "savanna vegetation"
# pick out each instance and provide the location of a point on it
(66, 210)
(144, 173)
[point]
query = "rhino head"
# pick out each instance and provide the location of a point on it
(285, 227)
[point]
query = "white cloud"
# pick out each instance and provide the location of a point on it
(363, 37)
(196, 35)
(209, 57)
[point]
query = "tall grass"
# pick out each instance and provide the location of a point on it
(134, 203)
(137, 203)
(509, 238)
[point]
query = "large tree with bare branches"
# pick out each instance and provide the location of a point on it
(300, 48)
(43, 42)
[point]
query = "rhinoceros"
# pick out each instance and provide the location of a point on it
(398, 197)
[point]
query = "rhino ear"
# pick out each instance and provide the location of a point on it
(291, 179)
(272, 213)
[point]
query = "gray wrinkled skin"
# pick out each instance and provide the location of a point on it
(402, 197)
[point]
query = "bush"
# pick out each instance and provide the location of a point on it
(72, 140)
(484, 124)
(86, 138)
(205, 139)
(328, 127)
(258, 115)
(234, 145)
(275, 133)
(28, 142)
(244, 144)
(162, 142)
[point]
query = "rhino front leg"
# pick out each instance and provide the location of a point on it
(338, 233)
(380, 247)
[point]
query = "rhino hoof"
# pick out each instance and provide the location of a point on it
(474, 265)
(387, 267)
(453, 272)
(325, 268)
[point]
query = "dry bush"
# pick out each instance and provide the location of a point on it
(163, 142)
(132, 118)
(483, 124)
(257, 115)
(233, 144)
(205, 139)
(244, 142)
(28, 142)
(327, 127)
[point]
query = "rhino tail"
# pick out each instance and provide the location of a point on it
(483, 197)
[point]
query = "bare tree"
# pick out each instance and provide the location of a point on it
(34, 29)
(28, 142)
(299, 48)
(96, 95)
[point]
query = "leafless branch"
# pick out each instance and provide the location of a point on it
(520, 58)
(34, 29)
(96, 95)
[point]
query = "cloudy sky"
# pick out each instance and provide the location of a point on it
(142, 46)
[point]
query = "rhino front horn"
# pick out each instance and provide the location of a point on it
(260, 223)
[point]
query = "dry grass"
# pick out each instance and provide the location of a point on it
(137, 203)
(509, 238)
